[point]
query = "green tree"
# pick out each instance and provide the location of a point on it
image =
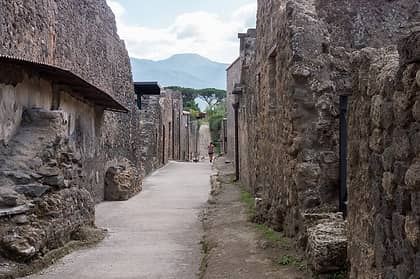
(215, 116)
(212, 96)
(188, 94)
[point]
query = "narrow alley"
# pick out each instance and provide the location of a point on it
(159, 228)
(241, 139)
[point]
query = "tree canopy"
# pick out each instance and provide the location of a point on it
(211, 96)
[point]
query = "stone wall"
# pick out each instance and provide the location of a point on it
(42, 201)
(289, 111)
(184, 132)
(194, 140)
(55, 155)
(177, 108)
(46, 32)
(246, 107)
(172, 107)
(295, 103)
(384, 212)
(151, 133)
(163, 131)
(233, 78)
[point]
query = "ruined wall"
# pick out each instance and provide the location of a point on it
(289, 118)
(42, 203)
(194, 137)
(46, 31)
(246, 108)
(177, 106)
(150, 133)
(233, 77)
(384, 212)
(184, 132)
(302, 66)
(53, 157)
(172, 107)
(296, 128)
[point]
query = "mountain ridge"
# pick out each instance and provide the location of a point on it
(184, 70)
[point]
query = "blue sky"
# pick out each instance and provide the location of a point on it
(158, 29)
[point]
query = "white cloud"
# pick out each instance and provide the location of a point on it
(199, 32)
(116, 7)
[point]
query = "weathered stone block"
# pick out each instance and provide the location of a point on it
(33, 190)
(10, 198)
(418, 78)
(412, 177)
(412, 230)
(55, 181)
(18, 177)
(388, 184)
(409, 48)
(327, 247)
(18, 247)
(121, 182)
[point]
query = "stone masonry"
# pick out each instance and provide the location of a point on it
(306, 54)
(46, 32)
(60, 150)
(384, 212)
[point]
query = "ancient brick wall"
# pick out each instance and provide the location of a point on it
(384, 212)
(47, 32)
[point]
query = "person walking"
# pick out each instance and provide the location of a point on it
(210, 149)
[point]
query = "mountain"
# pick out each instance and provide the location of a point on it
(185, 70)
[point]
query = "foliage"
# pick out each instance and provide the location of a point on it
(287, 260)
(211, 96)
(337, 275)
(191, 106)
(188, 94)
(248, 199)
(215, 116)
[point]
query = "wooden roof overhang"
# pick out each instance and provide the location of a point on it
(82, 88)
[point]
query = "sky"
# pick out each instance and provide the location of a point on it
(158, 29)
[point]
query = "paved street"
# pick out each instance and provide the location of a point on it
(154, 235)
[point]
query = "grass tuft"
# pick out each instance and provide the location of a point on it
(249, 200)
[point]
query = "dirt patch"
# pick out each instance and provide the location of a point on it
(238, 248)
(84, 238)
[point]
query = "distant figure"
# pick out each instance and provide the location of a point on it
(211, 151)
